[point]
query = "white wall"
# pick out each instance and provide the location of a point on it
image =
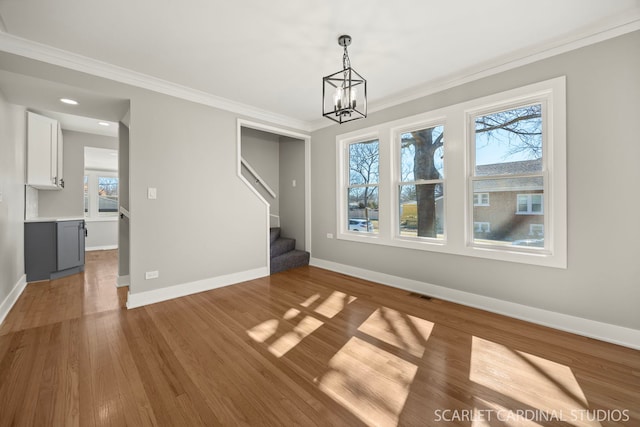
(12, 179)
(602, 280)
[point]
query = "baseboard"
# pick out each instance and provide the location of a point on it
(13, 296)
(101, 248)
(157, 295)
(589, 328)
(122, 281)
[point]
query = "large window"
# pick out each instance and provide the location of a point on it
(421, 182)
(496, 189)
(362, 188)
(508, 153)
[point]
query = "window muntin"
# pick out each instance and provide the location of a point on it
(508, 152)
(421, 183)
(362, 189)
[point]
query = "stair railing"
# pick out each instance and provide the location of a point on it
(257, 177)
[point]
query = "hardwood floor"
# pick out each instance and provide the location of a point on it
(303, 347)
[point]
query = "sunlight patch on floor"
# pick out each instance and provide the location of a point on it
(409, 333)
(261, 332)
(334, 304)
(290, 339)
(531, 381)
(371, 383)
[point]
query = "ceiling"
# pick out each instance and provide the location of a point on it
(272, 55)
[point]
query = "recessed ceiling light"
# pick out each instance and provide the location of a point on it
(68, 101)
(104, 124)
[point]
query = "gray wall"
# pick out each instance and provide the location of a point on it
(123, 199)
(292, 198)
(188, 152)
(261, 150)
(12, 179)
(602, 279)
(70, 200)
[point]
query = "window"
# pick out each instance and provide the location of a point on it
(362, 188)
(508, 157)
(481, 227)
(536, 230)
(529, 204)
(107, 194)
(100, 194)
(480, 199)
(421, 183)
(496, 189)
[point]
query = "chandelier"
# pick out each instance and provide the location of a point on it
(344, 94)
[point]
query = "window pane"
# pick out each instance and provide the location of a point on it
(422, 154)
(509, 142)
(363, 209)
(107, 194)
(363, 163)
(421, 210)
(511, 213)
(86, 194)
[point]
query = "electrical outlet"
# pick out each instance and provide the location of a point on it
(151, 275)
(293, 183)
(329, 235)
(152, 193)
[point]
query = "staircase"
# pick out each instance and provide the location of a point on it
(284, 254)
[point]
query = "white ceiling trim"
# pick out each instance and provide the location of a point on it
(604, 30)
(618, 26)
(52, 55)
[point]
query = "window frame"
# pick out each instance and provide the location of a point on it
(458, 191)
(396, 173)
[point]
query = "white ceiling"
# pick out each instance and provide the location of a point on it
(273, 54)
(100, 159)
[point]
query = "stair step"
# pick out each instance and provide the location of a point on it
(281, 246)
(291, 259)
(274, 233)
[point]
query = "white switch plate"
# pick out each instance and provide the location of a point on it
(151, 275)
(152, 193)
(293, 184)
(0, 196)
(329, 235)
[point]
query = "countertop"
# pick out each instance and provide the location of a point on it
(56, 219)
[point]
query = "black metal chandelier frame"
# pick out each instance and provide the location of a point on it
(342, 85)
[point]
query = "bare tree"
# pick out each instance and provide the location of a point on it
(364, 170)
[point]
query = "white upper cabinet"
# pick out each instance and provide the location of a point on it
(44, 153)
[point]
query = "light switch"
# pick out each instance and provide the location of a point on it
(293, 184)
(0, 196)
(152, 193)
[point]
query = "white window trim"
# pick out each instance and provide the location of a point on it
(458, 203)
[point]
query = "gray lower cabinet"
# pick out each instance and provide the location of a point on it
(53, 249)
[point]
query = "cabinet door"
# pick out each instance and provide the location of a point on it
(70, 244)
(42, 135)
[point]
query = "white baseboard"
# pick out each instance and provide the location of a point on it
(123, 281)
(157, 295)
(13, 296)
(577, 325)
(100, 248)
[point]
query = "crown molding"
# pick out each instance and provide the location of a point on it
(604, 30)
(52, 55)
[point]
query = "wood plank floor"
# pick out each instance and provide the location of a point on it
(304, 347)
